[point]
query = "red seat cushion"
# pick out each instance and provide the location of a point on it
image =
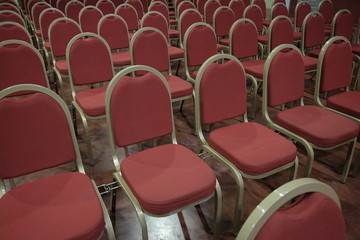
(62, 67)
(38, 33)
(92, 101)
(47, 46)
(219, 47)
(356, 48)
(194, 74)
(173, 22)
(310, 63)
(317, 125)
(327, 31)
(254, 67)
(297, 36)
(224, 41)
(263, 39)
(178, 87)
(173, 33)
(314, 53)
(121, 58)
(314, 216)
(167, 177)
(175, 53)
(252, 148)
(266, 22)
(347, 102)
(64, 206)
(171, 14)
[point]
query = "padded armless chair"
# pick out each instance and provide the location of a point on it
(90, 2)
(14, 31)
(326, 8)
(9, 6)
(11, 16)
(255, 14)
(238, 7)
(138, 7)
(164, 10)
(262, 5)
(278, 9)
(21, 63)
(199, 45)
(129, 14)
(149, 47)
(162, 180)
(184, 6)
(61, 31)
(342, 24)
(312, 126)
(61, 5)
(224, 18)
(315, 213)
(187, 18)
(248, 149)
(313, 34)
(35, 16)
(302, 9)
(89, 18)
(66, 205)
(106, 7)
(89, 61)
(114, 30)
(200, 4)
(73, 8)
(209, 10)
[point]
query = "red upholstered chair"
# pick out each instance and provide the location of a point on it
(89, 18)
(11, 16)
(224, 2)
(114, 30)
(9, 6)
(118, 2)
(162, 180)
(61, 31)
(14, 31)
(224, 18)
(89, 61)
(187, 18)
(106, 7)
(313, 34)
(279, 1)
(315, 213)
(326, 8)
(209, 10)
(238, 7)
(21, 63)
(199, 44)
(73, 8)
(28, 8)
(149, 47)
(129, 14)
(164, 10)
(61, 5)
(184, 6)
(35, 16)
(312, 126)
(200, 4)
(278, 9)
(302, 9)
(138, 7)
(254, 13)
(66, 204)
(342, 24)
(90, 2)
(281, 32)
(262, 5)
(248, 149)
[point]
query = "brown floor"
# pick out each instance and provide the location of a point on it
(196, 223)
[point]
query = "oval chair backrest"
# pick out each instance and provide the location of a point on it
(46, 18)
(336, 50)
(279, 1)
(29, 6)
(149, 47)
(129, 99)
(224, 18)
(238, 7)
(15, 55)
(14, 31)
(326, 8)
(89, 17)
(106, 7)
(284, 75)
(90, 2)
(61, 31)
(10, 16)
(187, 18)
(42, 116)
(129, 14)
(343, 24)
(61, 5)
(243, 39)
(255, 14)
(73, 8)
(114, 30)
(156, 20)
(10, 7)
(161, 8)
(221, 89)
(224, 2)
(36, 11)
(279, 9)
(302, 9)
(209, 10)
(89, 59)
(280, 32)
(262, 5)
(117, 2)
(184, 6)
(199, 44)
(138, 7)
(200, 4)
(313, 30)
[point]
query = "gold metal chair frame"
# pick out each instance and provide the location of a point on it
(78, 162)
(308, 146)
(277, 199)
(238, 175)
(118, 176)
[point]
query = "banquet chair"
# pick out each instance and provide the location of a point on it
(302, 9)
(301, 209)
(342, 24)
(223, 19)
(90, 2)
(187, 18)
(35, 17)
(61, 5)
(164, 10)
(200, 4)
(182, 7)
(278, 9)
(238, 7)
(165, 179)
(66, 205)
(14, 31)
(138, 7)
(327, 10)
(312, 126)
(129, 14)
(247, 149)
(313, 34)
(73, 8)
(89, 17)
(262, 5)
(89, 62)
(9, 6)
(106, 7)
(209, 10)
(11, 16)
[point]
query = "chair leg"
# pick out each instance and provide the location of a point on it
(178, 67)
(238, 202)
(357, 166)
(218, 204)
(181, 105)
(294, 169)
(310, 157)
(349, 158)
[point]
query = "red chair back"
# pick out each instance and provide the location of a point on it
(238, 7)
(262, 5)
(243, 39)
(255, 14)
(106, 7)
(280, 32)
(224, 18)
(184, 6)
(89, 17)
(279, 9)
(313, 30)
(36, 11)
(138, 6)
(302, 9)
(279, 1)
(90, 2)
(46, 18)
(10, 16)
(200, 6)
(73, 8)
(10, 7)
(326, 8)
(209, 10)
(187, 18)
(12, 30)
(61, 4)
(156, 20)
(161, 8)
(114, 30)
(129, 14)
(343, 24)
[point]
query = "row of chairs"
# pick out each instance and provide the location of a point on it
(130, 96)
